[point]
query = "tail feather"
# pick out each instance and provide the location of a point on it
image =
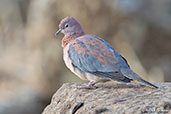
(148, 83)
(132, 75)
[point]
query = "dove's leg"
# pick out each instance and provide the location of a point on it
(90, 85)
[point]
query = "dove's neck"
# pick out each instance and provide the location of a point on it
(69, 37)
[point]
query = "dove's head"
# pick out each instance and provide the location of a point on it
(70, 26)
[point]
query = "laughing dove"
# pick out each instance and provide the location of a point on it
(92, 58)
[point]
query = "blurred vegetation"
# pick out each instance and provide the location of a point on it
(31, 64)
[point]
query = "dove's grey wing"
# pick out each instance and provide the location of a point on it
(94, 55)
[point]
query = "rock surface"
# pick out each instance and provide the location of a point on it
(111, 98)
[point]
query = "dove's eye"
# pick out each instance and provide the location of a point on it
(66, 25)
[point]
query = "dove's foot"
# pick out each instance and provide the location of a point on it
(90, 85)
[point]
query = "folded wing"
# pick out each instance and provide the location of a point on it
(92, 54)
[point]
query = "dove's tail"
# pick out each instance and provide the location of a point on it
(132, 75)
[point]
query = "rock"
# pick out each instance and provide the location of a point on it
(110, 98)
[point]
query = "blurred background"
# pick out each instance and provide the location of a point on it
(31, 63)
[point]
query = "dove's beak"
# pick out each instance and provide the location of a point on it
(58, 31)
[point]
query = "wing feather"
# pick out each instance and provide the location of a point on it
(94, 55)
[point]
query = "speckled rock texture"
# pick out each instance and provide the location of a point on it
(111, 98)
